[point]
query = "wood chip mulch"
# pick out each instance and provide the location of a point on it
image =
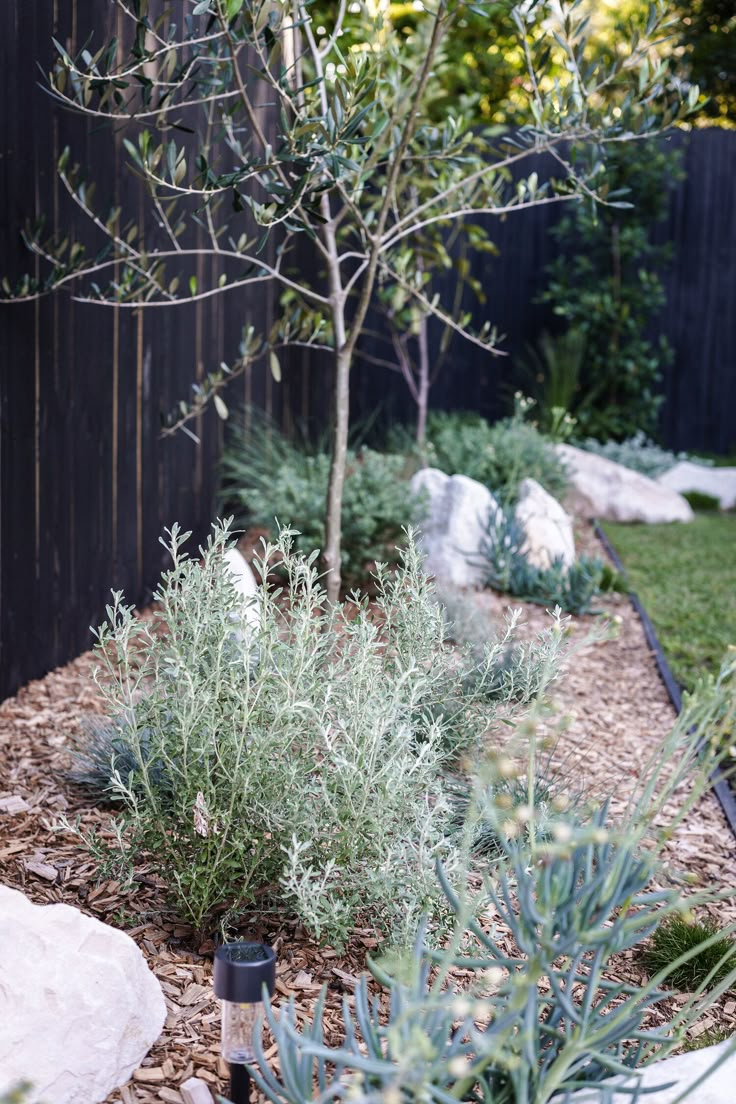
(621, 712)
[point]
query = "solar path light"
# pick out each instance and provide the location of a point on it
(241, 971)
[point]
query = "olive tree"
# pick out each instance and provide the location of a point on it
(255, 120)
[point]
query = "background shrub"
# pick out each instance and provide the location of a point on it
(701, 501)
(551, 374)
(605, 283)
(638, 453)
(268, 479)
(301, 760)
(498, 455)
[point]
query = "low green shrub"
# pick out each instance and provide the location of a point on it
(509, 571)
(701, 501)
(297, 765)
(638, 453)
(499, 455)
(268, 479)
(677, 935)
(522, 1004)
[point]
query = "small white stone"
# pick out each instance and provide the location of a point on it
(548, 528)
(79, 1007)
(609, 491)
(457, 512)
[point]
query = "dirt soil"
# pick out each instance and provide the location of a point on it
(621, 713)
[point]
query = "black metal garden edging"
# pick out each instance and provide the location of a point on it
(722, 789)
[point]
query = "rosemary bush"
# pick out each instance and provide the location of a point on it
(267, 479)
(499, 667)
(535, 1012)
(297, 764)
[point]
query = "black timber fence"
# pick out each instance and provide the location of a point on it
(88, 483)
(699, 317)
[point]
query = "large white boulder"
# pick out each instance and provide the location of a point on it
(681, 1072)
(79, 1007)
(246, 586)
(611, 492)
(719, 483)
(455, 522)
(548, 528)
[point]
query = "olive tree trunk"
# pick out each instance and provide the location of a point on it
(423, 383)
(336, 484)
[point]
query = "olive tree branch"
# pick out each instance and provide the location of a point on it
(463, 212)
(489, 346)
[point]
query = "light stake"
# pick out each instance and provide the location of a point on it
(241, 971)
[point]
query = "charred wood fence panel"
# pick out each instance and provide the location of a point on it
(699, 411)
(88, 484)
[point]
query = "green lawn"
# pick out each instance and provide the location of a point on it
(685, 575)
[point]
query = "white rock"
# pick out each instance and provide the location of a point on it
(683, 1070)
(611, 492)
(457, 512)
(548, 528)
(245, 584)
(719, 483)
(79, 1007)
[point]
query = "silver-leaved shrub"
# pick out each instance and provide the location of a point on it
(640, 454)
(526, 1003)
(296, 764)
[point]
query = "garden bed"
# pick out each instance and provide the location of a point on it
(620, 713)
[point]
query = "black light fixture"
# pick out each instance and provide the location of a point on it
(241, 971)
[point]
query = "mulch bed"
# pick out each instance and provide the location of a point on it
(620, 709)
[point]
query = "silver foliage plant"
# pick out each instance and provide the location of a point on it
(297, 764)
(520, 670)
(524, 1005)
(640, 454)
